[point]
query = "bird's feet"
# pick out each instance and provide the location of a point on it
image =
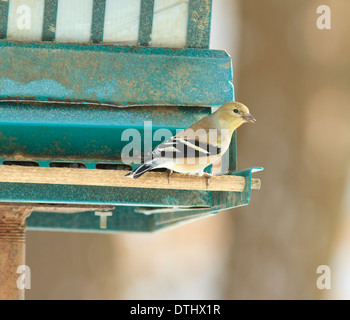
(207, 178)
(169, 174)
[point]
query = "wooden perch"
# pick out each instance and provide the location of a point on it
(116, 178)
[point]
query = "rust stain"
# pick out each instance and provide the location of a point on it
(226, 66)
(11, 143)
(57, 147)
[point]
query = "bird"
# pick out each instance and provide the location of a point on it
(203, 143)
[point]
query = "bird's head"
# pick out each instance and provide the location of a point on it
(235, 114)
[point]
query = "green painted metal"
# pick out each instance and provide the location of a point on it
(122, 220)
(4, 9)
(146, 22)
(74, 194)
(81, 132)
(232, 156)
(97, 25)
(118, 76)
(198, 28)
(129, 218)
(50, 18)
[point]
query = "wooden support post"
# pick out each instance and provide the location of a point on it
(12, 250)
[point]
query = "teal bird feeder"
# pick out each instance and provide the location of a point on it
(74, 77)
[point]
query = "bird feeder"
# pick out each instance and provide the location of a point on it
(75, 75)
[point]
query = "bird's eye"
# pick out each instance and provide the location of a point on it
(235, 110)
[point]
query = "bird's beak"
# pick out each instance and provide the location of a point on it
(247, 117)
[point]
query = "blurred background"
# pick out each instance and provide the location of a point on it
(295, 78)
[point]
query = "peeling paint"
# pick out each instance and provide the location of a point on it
(47, 88)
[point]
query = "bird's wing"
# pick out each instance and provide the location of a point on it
(179, 147)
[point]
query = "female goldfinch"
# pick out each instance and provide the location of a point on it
(203, 143)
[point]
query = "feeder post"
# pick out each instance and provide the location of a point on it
(12, 251)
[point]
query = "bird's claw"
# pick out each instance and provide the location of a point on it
(207, 178)
(169, 174)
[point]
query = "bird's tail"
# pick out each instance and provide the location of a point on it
(140, 171)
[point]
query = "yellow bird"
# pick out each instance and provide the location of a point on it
(198, 146)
